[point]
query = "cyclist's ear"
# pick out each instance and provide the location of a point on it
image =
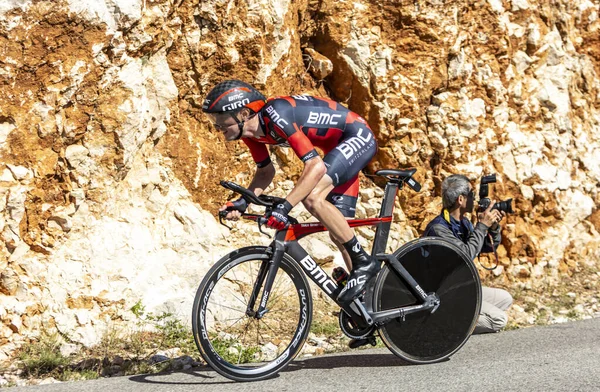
(244, 113)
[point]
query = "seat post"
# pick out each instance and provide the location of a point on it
(387, 208)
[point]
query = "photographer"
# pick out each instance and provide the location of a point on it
(452, 225)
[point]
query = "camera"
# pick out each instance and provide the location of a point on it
(484, 201)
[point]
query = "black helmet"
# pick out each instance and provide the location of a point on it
(231, 96)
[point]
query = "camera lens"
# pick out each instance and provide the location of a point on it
(505, 205)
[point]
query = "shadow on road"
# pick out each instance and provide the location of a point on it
(208, 376)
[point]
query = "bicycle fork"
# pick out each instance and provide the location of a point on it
(266, 277)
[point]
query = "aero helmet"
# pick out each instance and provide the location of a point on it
(231, 96)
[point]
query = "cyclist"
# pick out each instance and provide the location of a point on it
(328, 186)
(451, 224)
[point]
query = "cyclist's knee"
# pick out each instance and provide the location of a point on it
(313, 202)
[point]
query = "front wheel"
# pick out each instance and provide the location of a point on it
(441, 267)
(231, 340)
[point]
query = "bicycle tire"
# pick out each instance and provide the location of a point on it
(441, 267)
(223, 288)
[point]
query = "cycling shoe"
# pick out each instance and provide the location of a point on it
(356, 343)
(358, 279)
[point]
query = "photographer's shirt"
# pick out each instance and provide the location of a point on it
(471, 240)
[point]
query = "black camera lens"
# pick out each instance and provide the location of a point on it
(505, 205)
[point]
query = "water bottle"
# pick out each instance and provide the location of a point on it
(340, 275)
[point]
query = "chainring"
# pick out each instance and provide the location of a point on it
(350, 329)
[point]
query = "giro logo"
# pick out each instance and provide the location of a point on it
(355, 143)
(318, 274)
(337, 199)
(276, 117)
(356, 248)
(236, 105)
(236, 97)
(323, 118)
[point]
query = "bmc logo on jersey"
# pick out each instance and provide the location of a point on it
(234, 97)
(236, 105)
(323, 118)
(302, 97)
(276, 117)
(352, 145)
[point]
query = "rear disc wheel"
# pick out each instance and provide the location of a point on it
(441, 267)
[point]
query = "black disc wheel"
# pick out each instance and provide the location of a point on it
(439, 267)
(231, 338)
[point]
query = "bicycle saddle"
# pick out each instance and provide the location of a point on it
(400, 176)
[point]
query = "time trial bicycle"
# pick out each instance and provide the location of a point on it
(253, 310)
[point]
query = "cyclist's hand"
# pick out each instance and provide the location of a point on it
(235, 208)
(278, 217)
(489, 217)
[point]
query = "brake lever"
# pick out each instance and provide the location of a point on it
(223, 214)
(262, 221)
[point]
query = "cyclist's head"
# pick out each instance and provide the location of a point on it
(454, 186)
(228, 99)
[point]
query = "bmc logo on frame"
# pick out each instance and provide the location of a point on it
(323, 118)
(318, 274)
(236, 105)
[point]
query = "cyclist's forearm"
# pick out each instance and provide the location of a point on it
(262, 179)
(313, 171)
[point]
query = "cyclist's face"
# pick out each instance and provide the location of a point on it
(226, 124)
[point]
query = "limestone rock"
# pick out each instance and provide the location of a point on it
(320, 66)
(110, 179)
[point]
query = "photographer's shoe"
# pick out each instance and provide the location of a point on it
(358, 279)
(356, 343)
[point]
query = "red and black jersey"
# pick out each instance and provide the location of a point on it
(303, 122)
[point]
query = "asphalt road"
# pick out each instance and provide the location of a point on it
(563, 357)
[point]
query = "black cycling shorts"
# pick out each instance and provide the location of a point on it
(354, 151)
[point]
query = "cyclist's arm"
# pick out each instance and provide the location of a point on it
(265, 171)
(262, 179)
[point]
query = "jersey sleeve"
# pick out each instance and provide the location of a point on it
(280, 114)
(259, 152)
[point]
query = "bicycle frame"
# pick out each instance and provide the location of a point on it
(286, 241)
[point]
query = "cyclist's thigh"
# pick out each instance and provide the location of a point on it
(354, 151)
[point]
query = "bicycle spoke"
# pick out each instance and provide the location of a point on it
(243, 341)
(237, 321)
(237, 282)
(228, 307)
(238, 298)
(226, 327)
(272, 311)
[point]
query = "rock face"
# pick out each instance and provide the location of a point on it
(109, 172)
